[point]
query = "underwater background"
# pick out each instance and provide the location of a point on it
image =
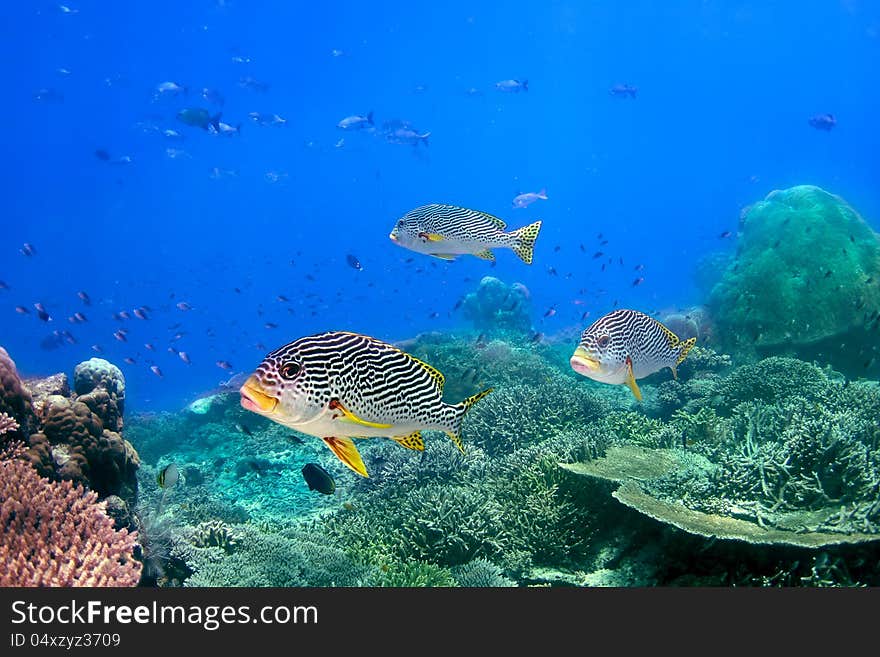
(711, 164)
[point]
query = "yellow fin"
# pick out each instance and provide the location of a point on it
(455, 436)
(438, 377)
(524, 241)
(347, 453)
(432, 237)
(412, 441)
(485, 255)
(498, 223)
(631, 380)
(686, 346)
(335, 404)
(671, 337)
(443, 256)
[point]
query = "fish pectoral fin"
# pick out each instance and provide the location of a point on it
(347, 453)
(485, 255)
(412, 441)
(631, 380)
(432, 237)
(443, 256)
(336, 405)
(455, 438)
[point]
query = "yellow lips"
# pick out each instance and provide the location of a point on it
(581, 361)
(393, 237)
(254, 398)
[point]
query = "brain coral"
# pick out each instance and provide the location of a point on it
(84, 451)
(99, 373)
(807, 270)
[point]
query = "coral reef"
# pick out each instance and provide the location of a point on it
(7, 424)
(481, 573)
(99, 373)
(84, 451)
(15, 400)
(286, 558)
(804, 282)
(57, 534)
(496, 306)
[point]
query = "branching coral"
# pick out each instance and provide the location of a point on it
(521, 414)
(481, 573)
(215, 533)
(7, 424)
(56, 534)
(286, 558)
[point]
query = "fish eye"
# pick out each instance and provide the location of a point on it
(290, 370)
(603, 341)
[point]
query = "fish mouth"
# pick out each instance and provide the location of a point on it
(393, 237)
(582, 363)
(254, 397)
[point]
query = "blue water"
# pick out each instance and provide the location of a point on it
(724, 93)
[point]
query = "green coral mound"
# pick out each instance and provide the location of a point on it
(806, 273)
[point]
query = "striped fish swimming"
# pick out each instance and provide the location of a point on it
(447, 231)
(338, 386)
(626, 345)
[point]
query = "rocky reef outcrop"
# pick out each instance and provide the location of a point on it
(805, 282)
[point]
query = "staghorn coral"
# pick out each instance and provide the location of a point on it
(481, 573)
(414, 574)
(450, 525)
(56, 534)
(519, 415)
(7, 424)
(286, 558)
(215, 533)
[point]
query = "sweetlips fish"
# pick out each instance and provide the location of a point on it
(626, 345)
(447, 231)
(338, 385)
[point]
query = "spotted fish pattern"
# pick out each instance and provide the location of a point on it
(626, 345)
(447, 231)
(339, 385)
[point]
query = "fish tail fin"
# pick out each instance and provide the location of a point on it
(686, 346)
(370, 117)
(460, 411)
(543, 194)
(424, 138)
(525, 85)
(524, 241)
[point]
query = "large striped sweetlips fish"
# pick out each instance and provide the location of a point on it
(338, 385)
(626, 345)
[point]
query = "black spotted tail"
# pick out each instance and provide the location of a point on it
(461, 409)
(524, 241)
